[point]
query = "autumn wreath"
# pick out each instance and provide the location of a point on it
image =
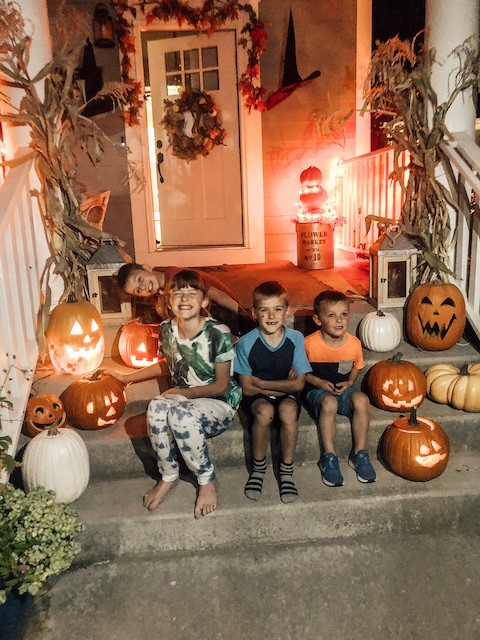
(193, 125)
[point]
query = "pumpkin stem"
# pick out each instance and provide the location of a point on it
(464, 370)
(53, 431)
(397, 357)
(380, 313)
(413, 416)
(96, 375)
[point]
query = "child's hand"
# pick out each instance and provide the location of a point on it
(292, 374)
(341, 387)
(121, 377)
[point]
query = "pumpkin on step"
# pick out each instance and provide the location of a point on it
(396, 384)
(138, 344)
(42, 413)
(57, 459)
(415, 448)
(436, 316)
(94, 402)
(380, 331)
(447, 384)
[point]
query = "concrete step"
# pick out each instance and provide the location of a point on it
(117, 525)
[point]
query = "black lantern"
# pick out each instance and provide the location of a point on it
(102, 27)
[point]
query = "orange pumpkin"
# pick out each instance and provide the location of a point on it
(311, 177)
(94, 402)
(138, 344)
(415, 448)
(396, 384)
(436, 316)
(43, 413)
(75, 338)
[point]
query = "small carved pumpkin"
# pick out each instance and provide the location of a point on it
(138, 344)
(460, 388)
(380, 331)
(94, 402)
(57, 459)
(42, 413)
(415, 448)
(396, 384)
(436, 316)
(75, 338)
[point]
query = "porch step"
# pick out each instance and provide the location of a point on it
(117, 525)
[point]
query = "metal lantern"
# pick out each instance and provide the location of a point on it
(393, 259)
(102, 284)
(102, 27)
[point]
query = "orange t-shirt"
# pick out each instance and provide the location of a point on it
(333, 363)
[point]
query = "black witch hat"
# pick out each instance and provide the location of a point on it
(92, 75)
(291, 78)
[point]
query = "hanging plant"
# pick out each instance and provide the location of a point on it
(193, 125)
(208, 17)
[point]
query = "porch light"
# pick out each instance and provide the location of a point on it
(102, 27)
(102, 284)
(393, 259)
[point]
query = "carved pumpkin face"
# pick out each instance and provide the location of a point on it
(138, 344)
(396, 384)
(43, 413)
(416, 448)
(94, 402)
(436, 316)
(75, 338)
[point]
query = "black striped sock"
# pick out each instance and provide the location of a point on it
(288, 490)
(253, 488)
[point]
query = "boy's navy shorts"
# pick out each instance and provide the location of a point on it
(275, 401)
(344, 409)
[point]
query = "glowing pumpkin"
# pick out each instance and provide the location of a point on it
(311, 177)
(415, 448)
(75, 338)
(94, 402)
(436, 316)
(138, 344)
(42, 413)
(460, 388)
(396, 384)
(379, 331)
(57, 459)
(312, 194)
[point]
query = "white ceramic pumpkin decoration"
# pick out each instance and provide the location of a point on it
(380, 331)
(57, 459)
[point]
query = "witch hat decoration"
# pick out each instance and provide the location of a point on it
(291, 78)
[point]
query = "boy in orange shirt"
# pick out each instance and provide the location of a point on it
(336, 358)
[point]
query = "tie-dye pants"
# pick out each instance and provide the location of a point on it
(177, 423)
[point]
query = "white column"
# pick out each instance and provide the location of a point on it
(448, 23)
(35, 15)
(363, 57)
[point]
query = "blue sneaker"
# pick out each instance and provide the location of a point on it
(331, 475)
(362, 466)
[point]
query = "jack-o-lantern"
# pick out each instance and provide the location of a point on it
(42, 413)
(94, 402)
(415, 448)
(436, 316)
(396, 384)
(138, 344)
(312, 194)
(75, 338)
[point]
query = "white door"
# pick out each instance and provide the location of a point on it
(199, 203)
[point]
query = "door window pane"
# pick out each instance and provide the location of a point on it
(192, 80)
(174, 84)
(191, 59)
(209, 57)
(173, 61)
(210, 80)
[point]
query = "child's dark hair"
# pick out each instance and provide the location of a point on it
(186, 278)
(125, 272)
(325, 298)
(270, 289)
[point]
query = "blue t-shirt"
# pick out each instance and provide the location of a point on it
(255, 357)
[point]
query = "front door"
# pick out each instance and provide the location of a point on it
(196, 203)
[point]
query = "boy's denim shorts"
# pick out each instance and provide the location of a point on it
(344, 409)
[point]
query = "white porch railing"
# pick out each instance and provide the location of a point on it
(23, 249)
(368, 189)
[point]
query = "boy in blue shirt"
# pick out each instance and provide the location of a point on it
(272, 365)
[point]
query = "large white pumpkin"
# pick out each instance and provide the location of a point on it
(57, 460)
(379, 331)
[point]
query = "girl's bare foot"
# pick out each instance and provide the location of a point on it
(157, 495)
(206, 500)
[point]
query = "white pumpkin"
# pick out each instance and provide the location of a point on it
(58, 460)
(379, 331)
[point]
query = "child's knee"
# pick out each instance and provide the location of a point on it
(263, 413)
(328, 404)
(288, 411)
(360, 402)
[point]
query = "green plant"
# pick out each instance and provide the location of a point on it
(37, 535)
(399, 88)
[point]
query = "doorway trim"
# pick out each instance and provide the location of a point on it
(253, 249)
